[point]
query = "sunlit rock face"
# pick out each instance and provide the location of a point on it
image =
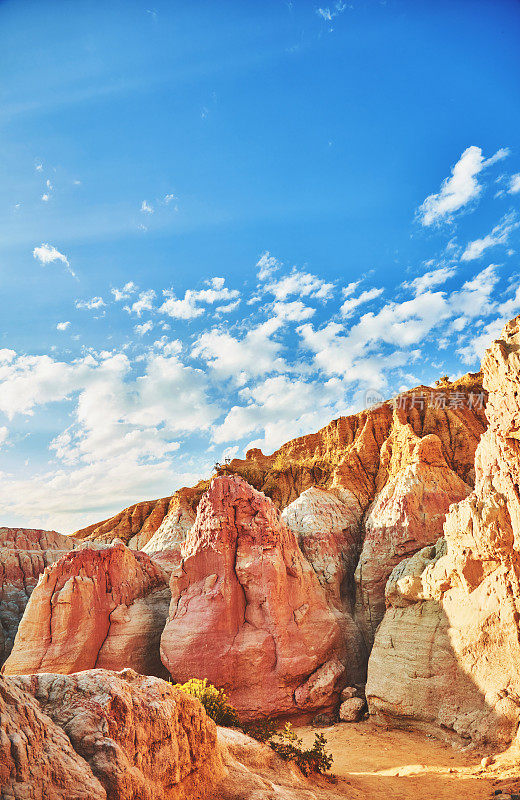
(102, 607)
(24, 554)
(448, 648)
(248, 611)
(174, 528)
(101, 735)
(407, 514)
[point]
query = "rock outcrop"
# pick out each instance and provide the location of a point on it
(174, 528)
(447, 651)
(24, 554)
(248, 611)
(134, 525)
(329, 531)
(37, 759)
(99, 734)
(94, 608)
(406, 515)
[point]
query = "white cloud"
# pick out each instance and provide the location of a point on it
(146, 327)
(461, 188)
(351, 303)
(281, 408)
(293, 312)
(168, 198)
(144, 303)
(188, 307)
(302, 284)
(514, 184)
(4, 433)
(430, 279)
(146, 208)
(499, 235)
(125, 292)
(39, 167)
(47, 254)
(267, 265)
(350, 288)
(330, 13)
(92, 304)
(46, 197)
(228, 308)
(253, 355)
(473, 299)
(62, 326)
(49, 184)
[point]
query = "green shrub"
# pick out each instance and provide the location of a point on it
(290, 747)
(261, 730)
(214, 700)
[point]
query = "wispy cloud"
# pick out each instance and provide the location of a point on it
(62, 326)
(146, 208)
(514, 184)
(125, 292)
(92, 304)
(499, 235)
(48, 254)
(460, 189)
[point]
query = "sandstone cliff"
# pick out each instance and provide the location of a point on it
(248, 611)
(24, 554)
(93, 608)
(448, 648)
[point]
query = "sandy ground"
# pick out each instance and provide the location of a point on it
(373, 763)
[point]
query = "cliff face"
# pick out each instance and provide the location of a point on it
(24, 554)
(448, 648)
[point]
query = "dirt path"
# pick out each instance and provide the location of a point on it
(377, 764)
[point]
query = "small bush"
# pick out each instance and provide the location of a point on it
(214, 700)
(290, 747)
(261, 730)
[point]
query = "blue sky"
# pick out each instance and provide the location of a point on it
(224, 223)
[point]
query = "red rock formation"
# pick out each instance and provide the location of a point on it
(448, 648)
(99, 734)
(329, 532)
(134, 525)
(93, 608)
(24, 554)
(248, 612)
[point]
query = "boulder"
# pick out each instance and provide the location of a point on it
(248, 612)
(24, 554)
(447, 651)
(93, 608)
(351, 710)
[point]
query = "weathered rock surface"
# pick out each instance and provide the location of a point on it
(24, 554)
(174, 527)
(351, 709)
(135, 524)
(99, 734)
(329, 531)
(248, 611)
(142, 738)
(407, 514)
(448, 648)
(94, 608)
(37, 760)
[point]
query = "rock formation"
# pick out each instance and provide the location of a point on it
(24, 554)
(447, 651)
(134, 525)
(248, 611)
(407, 514)
(94, 608)
(174, 528)
(99, 734)
(37, 759)
(329, 531)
